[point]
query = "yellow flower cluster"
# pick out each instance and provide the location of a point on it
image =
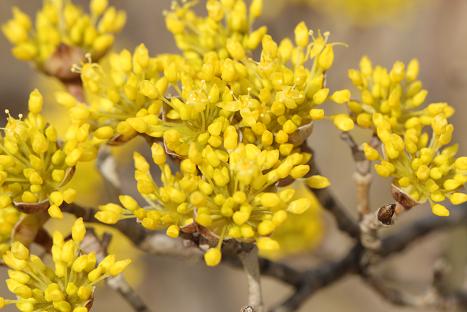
(60, 22)
(358, 12)
(396, 94)
(422, 166)
(271, 102)
(34, 165)
(234, 195)
(236, 124)
(130, 85)
(228, 24)
(69, 286)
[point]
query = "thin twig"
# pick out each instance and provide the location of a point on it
(107, 167)
(318, 278)
(250, 263)
(345, 222)
(362, 175)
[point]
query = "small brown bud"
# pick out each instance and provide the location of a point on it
(386, 213)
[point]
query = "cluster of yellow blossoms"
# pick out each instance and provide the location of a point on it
(391, 104)
(115, 93)
(236, 124)
(364, 13)
(422, 166)
(228, 24)
(61, 22)
(233, 111)
(232, 194)
(396, 94)
(34, 165)
(68, 286)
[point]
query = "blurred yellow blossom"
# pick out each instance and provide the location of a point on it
(61, 23)
(299, 233)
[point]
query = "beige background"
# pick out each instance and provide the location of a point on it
(434, 31)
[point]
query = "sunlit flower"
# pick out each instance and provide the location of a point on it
(35, 165)
(231, 195)
(420, 163)
(396, 94)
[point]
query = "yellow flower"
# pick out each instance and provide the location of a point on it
(68, 286)
(61, 23)
(233, 194)
(118, 93)
(34, 166)
(422, 166)
(227, 28)
(299, 233)
(394, 94)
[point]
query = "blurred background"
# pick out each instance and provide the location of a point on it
(434, 31)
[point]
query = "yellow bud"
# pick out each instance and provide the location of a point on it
(461, 163)
(302, 35)
(173, 231)
(128, 202)
(213, 257)
(299, 206)
(267, 244)
(318, 182)
(240, 217)
(85, 292)
(341, 97)
(316, 114)
(235, 49)
(320, 96)
(256, 8)
(385, 169)
(78, 230)
(19, 251)
(343, 122)
(98, 6)
(451, 184)
(266, 227)
(55, 212)
(118, 267)
(370, 152)
(326, 58)
(440, 210)
(158, 154)
(104, 133)
(35, 102)
(270, 200)
(289, 127)
(299, 171)
(230, 137)
(458, 198)
(69, 195)
(412, 70)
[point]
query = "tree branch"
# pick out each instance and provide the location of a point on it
(249, 260)
(345, 222)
